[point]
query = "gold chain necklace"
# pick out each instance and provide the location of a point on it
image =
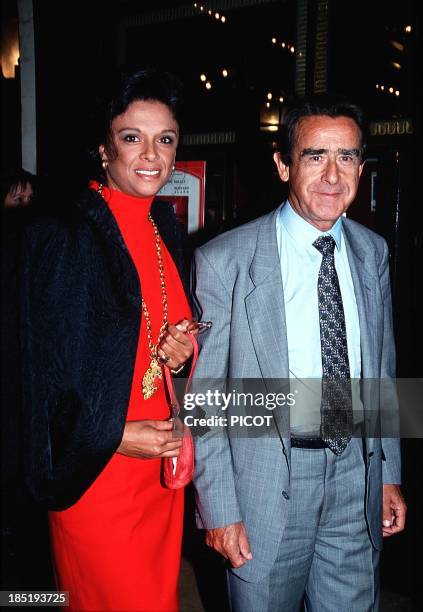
(153, 374)
(154, 371)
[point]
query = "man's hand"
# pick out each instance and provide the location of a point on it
(231, 542)
(394, 510)
(149, 440)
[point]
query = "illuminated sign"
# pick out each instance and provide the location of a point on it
(392, 127)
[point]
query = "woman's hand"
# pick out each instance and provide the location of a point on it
(149, 440)
(175, 347)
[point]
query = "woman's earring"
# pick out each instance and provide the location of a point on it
(104, 163)
(173, 168)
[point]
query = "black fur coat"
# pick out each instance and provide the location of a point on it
(81, 315)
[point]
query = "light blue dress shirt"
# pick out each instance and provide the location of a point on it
(300, 264)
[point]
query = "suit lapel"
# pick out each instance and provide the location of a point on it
(266, 317)
(365, 286)
(265, 304)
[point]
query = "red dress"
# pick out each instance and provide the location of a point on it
(119, 546)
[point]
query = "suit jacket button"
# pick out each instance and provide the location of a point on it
(285, 495)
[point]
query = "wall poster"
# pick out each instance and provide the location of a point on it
(186, 192)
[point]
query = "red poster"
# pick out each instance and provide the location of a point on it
(186, 191)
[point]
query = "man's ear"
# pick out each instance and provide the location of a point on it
(283, 169)
(360, 168)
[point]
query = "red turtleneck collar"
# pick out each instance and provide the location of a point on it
(117, 199)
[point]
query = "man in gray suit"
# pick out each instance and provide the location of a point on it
(301, 293)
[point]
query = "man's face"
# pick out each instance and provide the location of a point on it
(325, 169)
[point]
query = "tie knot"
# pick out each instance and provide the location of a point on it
(325, 244)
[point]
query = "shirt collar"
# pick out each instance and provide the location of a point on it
(301, 231)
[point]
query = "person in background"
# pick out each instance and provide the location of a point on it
(17, 189)
(104, 313)
(22, 521)
(301, 293)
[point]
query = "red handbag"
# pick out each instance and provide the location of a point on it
(178, 471)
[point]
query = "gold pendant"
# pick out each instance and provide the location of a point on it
(149, 385)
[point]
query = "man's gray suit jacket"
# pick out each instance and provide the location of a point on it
(239, 288)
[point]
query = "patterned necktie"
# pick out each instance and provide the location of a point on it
(336, 409)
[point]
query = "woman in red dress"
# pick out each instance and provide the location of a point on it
(115, 529)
